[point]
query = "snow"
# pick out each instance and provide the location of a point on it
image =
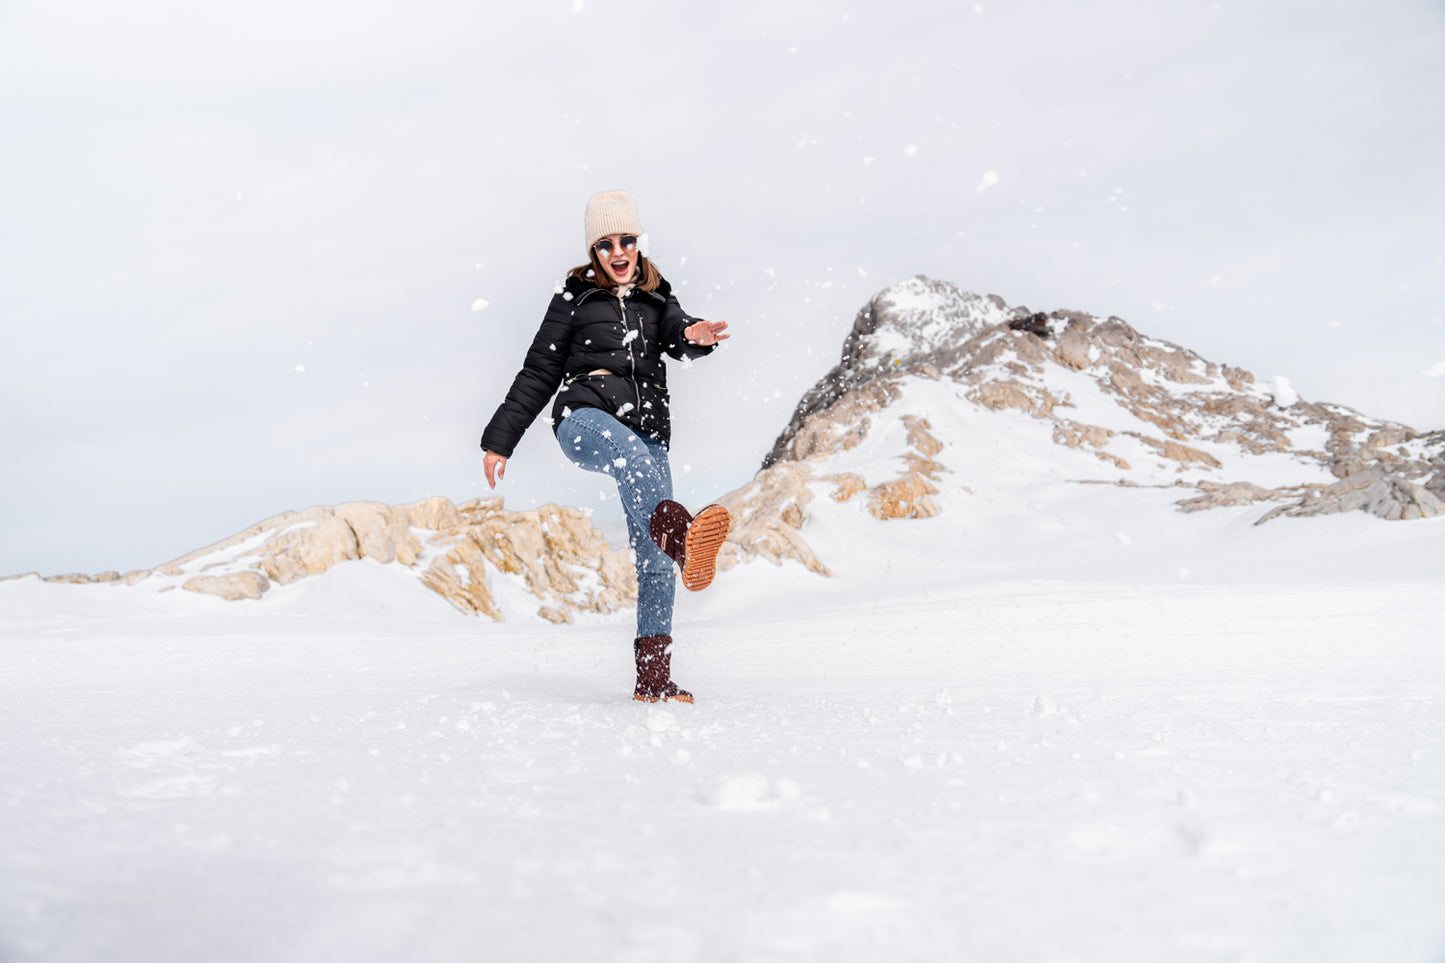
(1116, 771)
(1020, 730)
(1284, 393)
(923, 327)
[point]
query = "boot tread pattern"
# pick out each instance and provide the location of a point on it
(705, 537)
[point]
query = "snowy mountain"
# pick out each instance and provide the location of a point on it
(1137, 403)
(933, 381)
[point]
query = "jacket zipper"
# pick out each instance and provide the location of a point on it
(631, 358)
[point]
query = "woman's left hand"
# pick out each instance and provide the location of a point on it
(706, 333)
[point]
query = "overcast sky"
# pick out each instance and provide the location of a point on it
(244, 245)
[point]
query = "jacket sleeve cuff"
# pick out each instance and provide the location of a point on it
(500, 448)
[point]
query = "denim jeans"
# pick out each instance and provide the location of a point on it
(594, 440)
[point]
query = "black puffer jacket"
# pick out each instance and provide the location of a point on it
(588, 328)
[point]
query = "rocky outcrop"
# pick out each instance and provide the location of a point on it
(1373, 490)
(560, 557)
(918, 325)
(236, 585)
(351, 531)
(767, 516)
(458, 551)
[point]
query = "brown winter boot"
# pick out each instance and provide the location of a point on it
(654, 671)
(691, 541)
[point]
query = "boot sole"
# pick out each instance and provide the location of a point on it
(678, 698)
(705, 537)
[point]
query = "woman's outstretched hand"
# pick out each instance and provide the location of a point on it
(495, 466)
(706, 332)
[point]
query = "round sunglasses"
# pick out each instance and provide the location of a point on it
(604, 246)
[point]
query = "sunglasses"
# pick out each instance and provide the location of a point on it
(604, 246)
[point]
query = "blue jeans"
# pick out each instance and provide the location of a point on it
(594, 440)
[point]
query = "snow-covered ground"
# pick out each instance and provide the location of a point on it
(1056, 722)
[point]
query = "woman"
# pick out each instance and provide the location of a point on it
(602, 342)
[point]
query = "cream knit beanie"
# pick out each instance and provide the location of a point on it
(611, 212)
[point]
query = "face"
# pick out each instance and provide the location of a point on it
(618, 254)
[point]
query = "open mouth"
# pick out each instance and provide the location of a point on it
(620, 268)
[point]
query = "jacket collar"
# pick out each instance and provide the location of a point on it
(582, 288)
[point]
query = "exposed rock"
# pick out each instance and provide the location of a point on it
(1072, 434)
(1036, 324)
(849, 484)
(450, 576)
(908, 495)
(436, 514)
(298, 552)
(1375, 491)
(1223, 495)
(1237, 378)
(560, 557)
(1005, 394)
(382, 532)
(236, 585)
(915, 324)
(272, 524)
(905, 497)
(767, 515)
(1180, 453)
(841, 425)
(563, 560)
(1073, 347)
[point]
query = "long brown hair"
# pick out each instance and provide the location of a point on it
(647, 276)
